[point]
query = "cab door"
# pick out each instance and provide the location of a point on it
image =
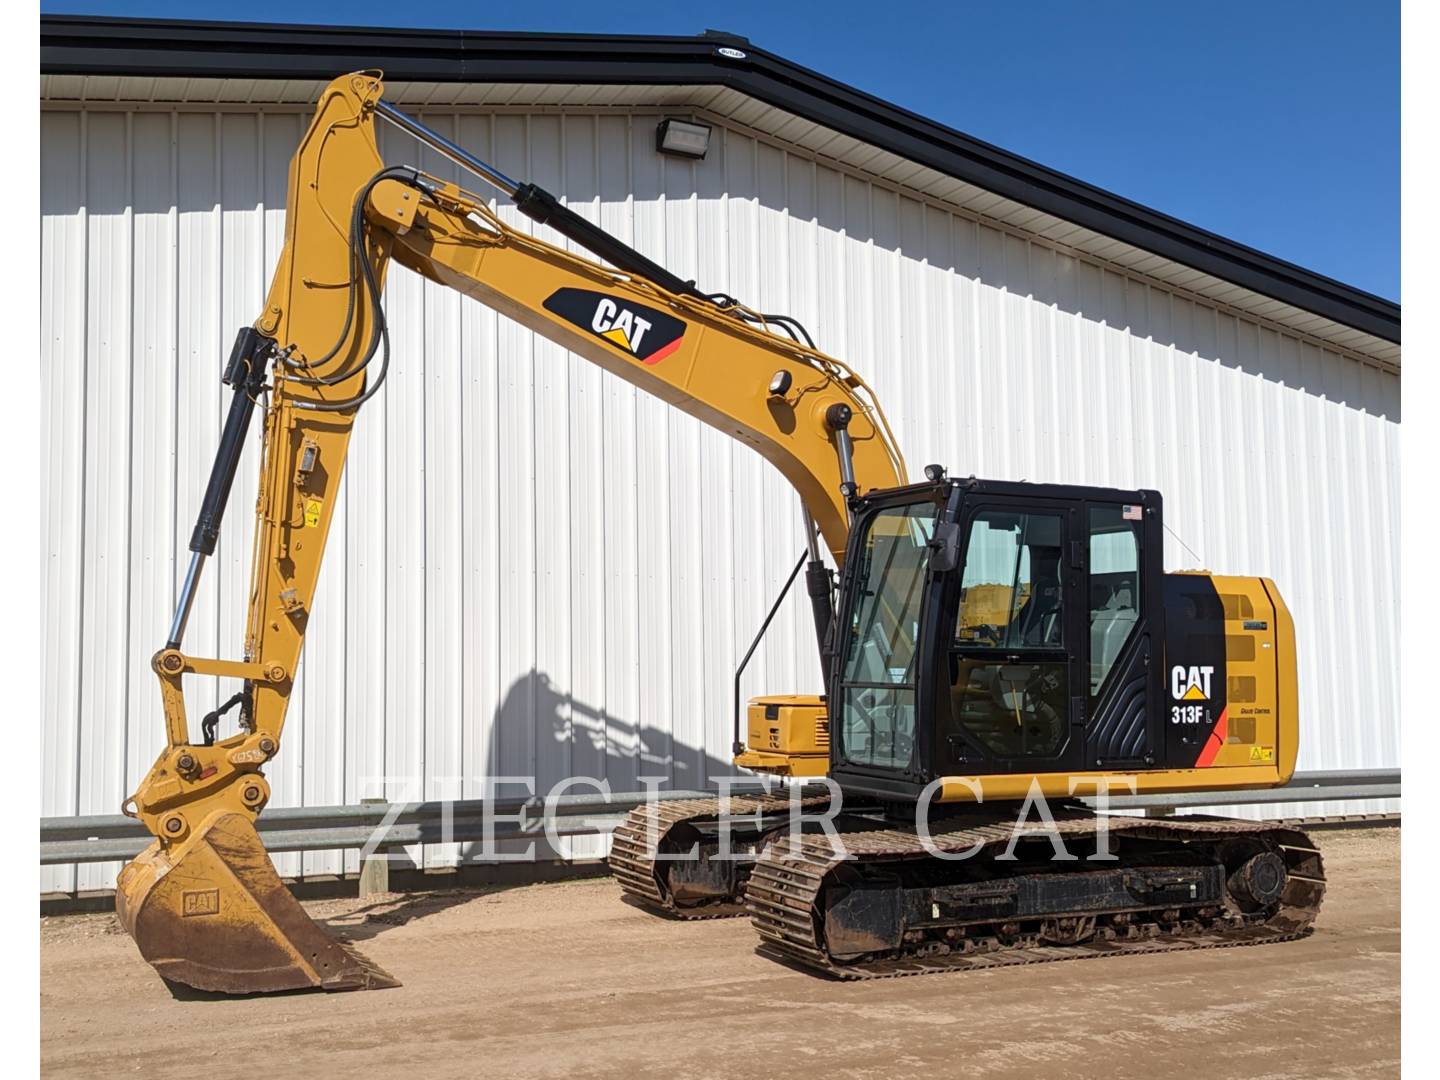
(1124, 631)
(1016, 682)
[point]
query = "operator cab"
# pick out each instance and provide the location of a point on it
(991, 628)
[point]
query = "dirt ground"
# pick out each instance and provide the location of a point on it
(564, 980)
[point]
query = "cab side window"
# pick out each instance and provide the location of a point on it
(1011, 590)
(1114, 586)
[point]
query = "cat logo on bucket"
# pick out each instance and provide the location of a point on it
(645, 333)
(1190, 683)
(200, 902)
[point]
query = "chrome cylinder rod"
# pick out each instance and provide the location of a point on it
(812, 542)
(187, 600)
(443, 146)
(837, 419)
(846, 450)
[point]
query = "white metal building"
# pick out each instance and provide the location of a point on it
(539, 570)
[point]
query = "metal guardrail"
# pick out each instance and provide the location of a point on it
(109, 837)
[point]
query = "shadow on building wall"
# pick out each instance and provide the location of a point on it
(540, 730)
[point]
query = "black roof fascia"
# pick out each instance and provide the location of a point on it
(95, 45)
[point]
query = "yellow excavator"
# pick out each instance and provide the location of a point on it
(985, 644)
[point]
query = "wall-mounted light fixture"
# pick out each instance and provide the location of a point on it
(682, 138)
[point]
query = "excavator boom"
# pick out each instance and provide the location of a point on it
(203, 902)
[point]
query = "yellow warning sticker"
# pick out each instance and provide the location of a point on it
(312, 512)
(1262, 753)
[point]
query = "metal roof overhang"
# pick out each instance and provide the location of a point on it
(126, 60)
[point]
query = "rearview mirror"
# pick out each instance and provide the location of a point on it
(945, 547)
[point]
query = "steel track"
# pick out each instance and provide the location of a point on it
(786, 905)
(645, 831)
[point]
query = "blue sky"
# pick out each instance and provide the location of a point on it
(1274, 123)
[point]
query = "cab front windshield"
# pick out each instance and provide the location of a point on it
(882, 639)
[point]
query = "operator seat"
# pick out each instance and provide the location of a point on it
(1038, 623)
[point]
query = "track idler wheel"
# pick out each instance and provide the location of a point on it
(1258, 881)
(211, 912)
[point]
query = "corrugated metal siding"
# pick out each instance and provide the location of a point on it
(536, 569)
(730, 108)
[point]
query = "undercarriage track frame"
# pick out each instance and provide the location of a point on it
(785, 897)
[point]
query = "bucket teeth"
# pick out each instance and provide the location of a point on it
(212, 913)
(364, 974)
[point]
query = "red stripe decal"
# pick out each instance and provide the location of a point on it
(1216, 740)
(664, 351)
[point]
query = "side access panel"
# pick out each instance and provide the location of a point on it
(1227, 662)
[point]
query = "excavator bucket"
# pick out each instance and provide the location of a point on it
(212, 913)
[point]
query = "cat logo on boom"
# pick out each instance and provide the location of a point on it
(620, 325)
(645, 333)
